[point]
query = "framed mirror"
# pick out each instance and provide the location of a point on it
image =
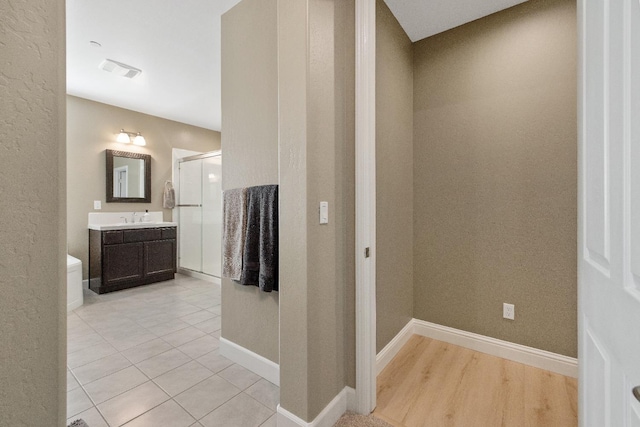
(128, 177)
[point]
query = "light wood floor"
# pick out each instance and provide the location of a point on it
(431, 383)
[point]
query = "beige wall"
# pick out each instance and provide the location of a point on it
(92, 128)
(32, 177)
(394, 176)
(495, 176)
(330, 177)
(250, 146)
(316, 87)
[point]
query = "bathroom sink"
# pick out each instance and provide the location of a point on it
(130, 225)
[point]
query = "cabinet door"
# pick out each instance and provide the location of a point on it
(160, 257)
(123, 263)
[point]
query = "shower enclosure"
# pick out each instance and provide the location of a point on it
(200, 214)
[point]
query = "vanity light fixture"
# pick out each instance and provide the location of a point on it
(125, 138)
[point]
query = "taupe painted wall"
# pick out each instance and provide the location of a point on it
(394, 176)
(330, 177)
(316, 93)
(495, 176)
(250, 147)
(32, 231)
(92, 128)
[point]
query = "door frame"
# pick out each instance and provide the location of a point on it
(117, 184)
(365, 206)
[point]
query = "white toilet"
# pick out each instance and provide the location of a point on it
(74, 283)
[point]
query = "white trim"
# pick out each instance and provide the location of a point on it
(198, 275)
(507, 350)
(85, 284)
(327, 418)
(365, 205)
(393, 347)
(260, 365)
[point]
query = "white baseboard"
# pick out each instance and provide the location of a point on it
(507, 350)
(345, 400)
(198, 275)
(85, 284)
(260, 365)
(390, 350)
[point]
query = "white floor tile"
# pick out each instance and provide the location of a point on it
(127, 406)
(91, 416)
(182, 378)
(112, 385)
(169, 414)
(206, 396)
(100, 368)
(77, 401)
(241, 411)
(163, 362)
(239, 376)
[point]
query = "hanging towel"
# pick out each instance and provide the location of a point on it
(169, 196)
(260, 258)
(233, 233)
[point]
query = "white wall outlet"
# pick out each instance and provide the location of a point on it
(508, 311)
(97, 205)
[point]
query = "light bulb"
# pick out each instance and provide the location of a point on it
(123, 137)
(139, 140)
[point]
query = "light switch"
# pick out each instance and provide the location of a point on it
(97, 205)
(324, 212)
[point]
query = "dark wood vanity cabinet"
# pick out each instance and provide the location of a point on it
(120, 259)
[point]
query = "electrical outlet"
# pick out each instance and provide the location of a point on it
(97, 204)
(508, 311)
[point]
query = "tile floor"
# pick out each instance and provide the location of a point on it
(148, 356)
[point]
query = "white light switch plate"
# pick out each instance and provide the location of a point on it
(324, 212)
(97, 204)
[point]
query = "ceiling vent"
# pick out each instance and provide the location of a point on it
(120, 69)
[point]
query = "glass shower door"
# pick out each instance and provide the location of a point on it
(212, 216)
(200, 214)
(190, 222)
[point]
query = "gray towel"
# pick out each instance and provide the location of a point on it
(233, 234)
(78, 423)
(260, 259)
(169, 196)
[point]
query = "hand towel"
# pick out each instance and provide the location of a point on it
(169, 196)
(233, 234)
(260, 259)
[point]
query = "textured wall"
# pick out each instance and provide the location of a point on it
(92, 128)
(495, 176)
(32, 177)
(316, 92)
(292, 120)
(250, 147)
(394, 176)
(330, 177)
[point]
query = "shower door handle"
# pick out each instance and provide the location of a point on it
(189, 206)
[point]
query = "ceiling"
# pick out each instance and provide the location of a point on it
(424, 18)
(176, 44)
(177, 47)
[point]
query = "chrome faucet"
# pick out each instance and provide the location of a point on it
(133, 218)
(125, 219)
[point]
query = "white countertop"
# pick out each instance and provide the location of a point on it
(131, 225)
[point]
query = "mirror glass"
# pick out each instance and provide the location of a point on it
(128, 177)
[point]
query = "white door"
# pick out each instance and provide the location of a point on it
(609, 212)
(120, 181)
